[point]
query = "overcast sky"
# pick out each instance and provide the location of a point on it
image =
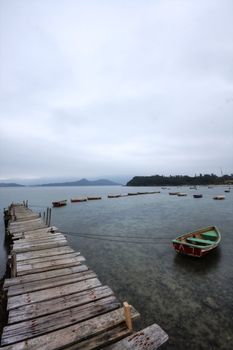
(112, 88)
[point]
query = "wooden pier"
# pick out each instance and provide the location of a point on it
(54, 301)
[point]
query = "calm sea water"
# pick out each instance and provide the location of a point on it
(191, 299)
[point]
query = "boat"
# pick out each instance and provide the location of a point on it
(219, 197)
(93, 198)
(227, 191)
(197, 243)
(173, 193)
(114, 196)
(77, 200)
(59, 203)
(197, 196)
(180, 194)
(132, 194)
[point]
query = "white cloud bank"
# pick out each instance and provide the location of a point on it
(92, 88)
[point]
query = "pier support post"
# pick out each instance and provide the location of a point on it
(13, 265)
(128, 317)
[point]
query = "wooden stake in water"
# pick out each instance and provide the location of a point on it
(128, 317)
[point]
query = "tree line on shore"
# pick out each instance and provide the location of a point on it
(180, 180)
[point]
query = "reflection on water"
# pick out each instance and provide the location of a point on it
(190, 298)
(198, 265)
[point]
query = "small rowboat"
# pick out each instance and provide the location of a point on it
(173, 193)
(227, 191)
(114, 196)
(219, 198)
(77, 200)
(197, 243)
(197, 196)
(181, 194)
(59, 203)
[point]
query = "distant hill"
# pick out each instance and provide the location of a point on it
(84, 182)
(3, 184)
(179, 180)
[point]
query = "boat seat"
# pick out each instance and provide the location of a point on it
(198, 240)
(211, 235)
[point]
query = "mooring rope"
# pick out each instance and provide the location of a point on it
(117, 238)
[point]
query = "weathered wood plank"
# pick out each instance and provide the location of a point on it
(39, 231)
(48, 265)
(51, 293)
(42, 325)
(49, 283)
(28, 243)
(26, 226)
(47, 307)
(150, 338)
(36, 238)
(30, 220)
(43, 253)
(47, 258)
(24, 269)
(39, 246)
(101, 340)
(43, 275)
(72, 334)
(32, 233)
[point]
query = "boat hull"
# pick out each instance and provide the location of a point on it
(197, 243)
(191, 251)
(59, 204)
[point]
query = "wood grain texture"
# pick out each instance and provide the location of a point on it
(72, 334)
(47, 307)
(58, 320)
(150, 338)
(51, 293)
(44, 275)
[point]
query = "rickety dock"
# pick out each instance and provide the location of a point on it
(55, 301)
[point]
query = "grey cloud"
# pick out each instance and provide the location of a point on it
(116, 88)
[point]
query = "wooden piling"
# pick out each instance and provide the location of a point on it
(128, 316)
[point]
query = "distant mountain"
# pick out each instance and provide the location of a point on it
(84, 182)
(4, 184)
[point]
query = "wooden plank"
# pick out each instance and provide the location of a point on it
(26, 226)
(49, 283)
(44, 275)
(73, 334)
(48, 265)
(102, 339)
(30, 220)
(48, 239)
(45, 324)
(50, 293)
(25, 244)
(40, 237)
(44, 253)
(41, 231)
(40, 246)
(38, 263)
(47, 258)
(35, 232)
(150, 338)
(47, 307)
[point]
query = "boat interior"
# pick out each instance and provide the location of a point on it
(200, 238)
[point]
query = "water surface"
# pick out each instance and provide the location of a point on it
(191, 299)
